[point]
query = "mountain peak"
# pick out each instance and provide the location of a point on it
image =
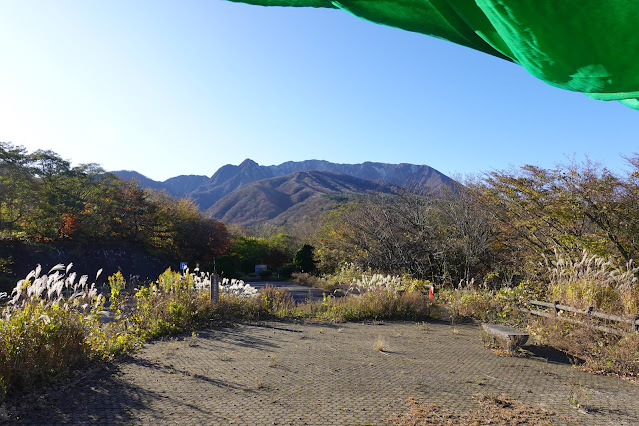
(248, 163)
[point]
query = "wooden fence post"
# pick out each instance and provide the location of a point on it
(555, 310)
(215, 288)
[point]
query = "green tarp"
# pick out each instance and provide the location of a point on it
(588, 46)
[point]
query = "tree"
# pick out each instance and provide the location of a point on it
(467, 233)
(226, 265)
(440, 237)
(305, 258)
(17, 185)
(386, 234)
(570, 208)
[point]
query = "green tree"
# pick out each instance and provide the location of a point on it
(17, 187)
(305, 258)
(227, 265)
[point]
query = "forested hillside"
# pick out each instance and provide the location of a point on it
(295, 198)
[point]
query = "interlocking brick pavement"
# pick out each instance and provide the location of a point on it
(281, 373)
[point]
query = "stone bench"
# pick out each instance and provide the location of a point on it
(503, 337)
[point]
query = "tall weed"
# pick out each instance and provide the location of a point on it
(467, 304)
(594, 281)
(47, 327)
(356, 280)
(381, 305)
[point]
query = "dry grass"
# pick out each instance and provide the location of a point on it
(380, 305)
(50, 325)
(379, 344)
(279, 301)
(473, 304)
(594, 281)
(598, 351)
(494, 410)
(306, 279)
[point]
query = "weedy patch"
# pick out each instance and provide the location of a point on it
(50, 325)
(273, 363)
(494, 410)
(594, 281)
(473, 304)
(56, 321)
(224, 357)
(193, 340)
(579, 397)
(594, 350)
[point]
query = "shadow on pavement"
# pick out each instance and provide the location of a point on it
(231, 336)
(98, 397)
(552, 355)
(281, 326)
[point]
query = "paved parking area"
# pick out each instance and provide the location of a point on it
(300, 293)
(319, 374)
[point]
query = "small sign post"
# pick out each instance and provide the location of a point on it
(215, 288)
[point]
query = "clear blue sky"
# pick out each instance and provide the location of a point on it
(169, 88)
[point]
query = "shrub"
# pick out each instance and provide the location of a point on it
(38, 342)
(232, 308)
(484, 305)
(581, 283)
(278, 301)
(169, 306)
(356, 280)
(286, 270)
(174, 305)
(600, 352)
(53, 321)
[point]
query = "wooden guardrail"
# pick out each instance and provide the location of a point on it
(589, 313)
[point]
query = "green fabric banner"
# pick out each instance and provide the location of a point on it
(588, 46)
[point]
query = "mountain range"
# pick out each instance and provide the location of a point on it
(249, 193)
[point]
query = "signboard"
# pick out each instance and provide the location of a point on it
(183, 266)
